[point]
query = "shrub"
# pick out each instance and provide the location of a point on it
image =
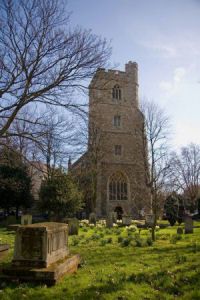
(164, 237)
(117, 231)
(132, 228)
(109, 240)
(75, 241)
(180, 258)
(149, 241)
(179, 230)
(95, 237)
(103, 242)
(120, 239)
(108, 231)
(138, 241)
(125, 242)
(195, 247)
(175, 238)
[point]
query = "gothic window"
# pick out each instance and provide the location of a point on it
(118, 149)
(117, 121)
(116, 92)
(118, 187)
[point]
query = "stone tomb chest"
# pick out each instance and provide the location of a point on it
(41, 254)
(39, 245)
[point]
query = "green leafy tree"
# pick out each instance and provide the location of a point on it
(15, 188)
(59, 196)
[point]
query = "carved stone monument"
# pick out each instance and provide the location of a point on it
(41, 253)
(188, 224)
(26, 219)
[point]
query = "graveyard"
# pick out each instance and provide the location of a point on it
(120, 262)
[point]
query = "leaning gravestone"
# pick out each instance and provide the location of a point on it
(126, 220)
(188, 224)
(26, 219)
(41, 253)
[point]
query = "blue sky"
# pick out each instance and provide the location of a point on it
(163, 37)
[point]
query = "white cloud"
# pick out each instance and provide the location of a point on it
(173, 86)
(179, 74)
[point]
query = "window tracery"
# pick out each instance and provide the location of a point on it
(118, 187)
(116, 92)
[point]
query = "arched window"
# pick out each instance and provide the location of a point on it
(118, 187)
(116, 92)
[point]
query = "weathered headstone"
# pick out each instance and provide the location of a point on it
(73, 226)
(26, 219)
(126, 220)
(114, 216)
(149, 220)
(41, 252)
(92, 218)
(109, 221)
(188, 224)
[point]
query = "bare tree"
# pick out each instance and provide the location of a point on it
(157, 129)
(185, 172)
(42, 61)
(92, 140)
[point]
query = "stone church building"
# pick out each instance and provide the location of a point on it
(117, 143)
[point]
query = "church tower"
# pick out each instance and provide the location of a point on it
(117, 138)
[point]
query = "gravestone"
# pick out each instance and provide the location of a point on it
(92, 218)
(114, 216)
(149, 220)
(26, 219)
(109, 221)
(73, 226)
(188, 224)
(126, 220)
(41, 253)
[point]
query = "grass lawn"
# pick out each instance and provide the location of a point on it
(121, 264)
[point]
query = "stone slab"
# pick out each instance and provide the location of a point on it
(49, 276)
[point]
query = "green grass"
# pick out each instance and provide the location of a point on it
(169, 269)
